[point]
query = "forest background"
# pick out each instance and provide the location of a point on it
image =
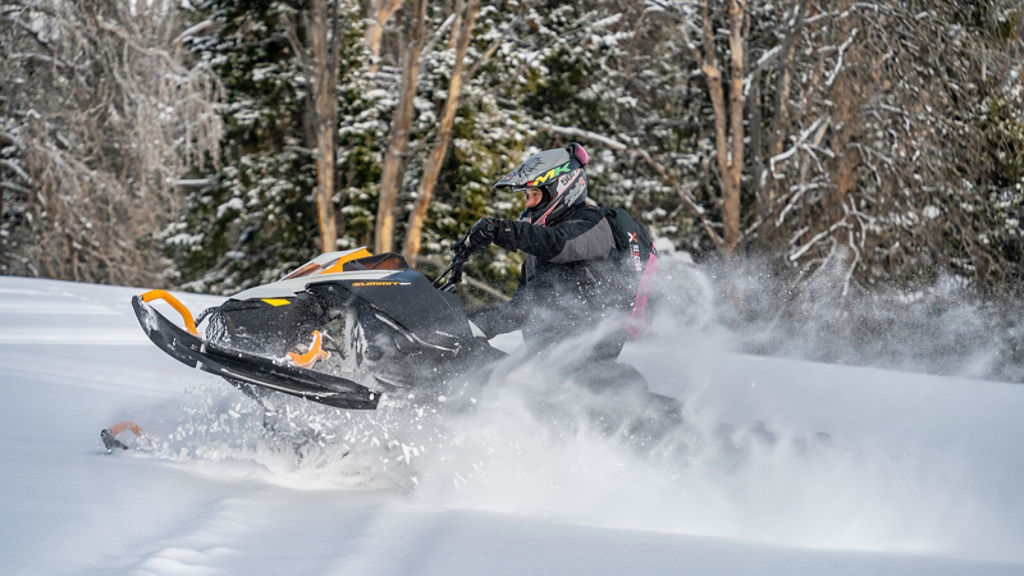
(862, 160)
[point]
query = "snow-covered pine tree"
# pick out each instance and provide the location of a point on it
(258, 219)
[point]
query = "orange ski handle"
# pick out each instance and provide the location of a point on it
(166, 296)
(314, 355)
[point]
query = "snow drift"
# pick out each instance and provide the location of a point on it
(784, 466)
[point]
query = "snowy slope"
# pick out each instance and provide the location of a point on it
(867, 472)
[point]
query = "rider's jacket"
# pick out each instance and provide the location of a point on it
(568, 283)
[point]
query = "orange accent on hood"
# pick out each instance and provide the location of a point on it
(315, 354)
(339, 266)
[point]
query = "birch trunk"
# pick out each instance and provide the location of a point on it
(414, 236)
(380, 12)
(733, 171)
(326, 113)
(729, 132)
(391, 173)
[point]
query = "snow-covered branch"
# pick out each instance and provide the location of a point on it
(801, 250)
(15, 168)
(816, 129)
(839, 58)
(643, 154)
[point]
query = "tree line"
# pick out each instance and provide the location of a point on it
(213, 144)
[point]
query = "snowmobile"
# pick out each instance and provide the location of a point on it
(344, 329)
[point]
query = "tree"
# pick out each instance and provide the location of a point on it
(394, 159)
(316, 44)
(102, 116)
(325, 43)
(878, 139)
(879, 167)
(463, 34)
(729, 117)
(381, 12)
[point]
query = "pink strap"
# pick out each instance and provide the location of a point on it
(638, 319)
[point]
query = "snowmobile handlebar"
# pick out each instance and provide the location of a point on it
(461, 251)
(452, 275)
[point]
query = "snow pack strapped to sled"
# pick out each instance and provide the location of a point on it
(639, 257)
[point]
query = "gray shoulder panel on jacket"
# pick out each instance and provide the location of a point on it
(594, 244)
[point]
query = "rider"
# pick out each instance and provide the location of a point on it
(569, 283)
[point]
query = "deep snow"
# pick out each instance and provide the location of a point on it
(869, 471)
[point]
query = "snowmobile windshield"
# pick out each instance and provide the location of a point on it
(347, 261)
(324, 262)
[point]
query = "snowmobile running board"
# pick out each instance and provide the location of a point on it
(238, 366)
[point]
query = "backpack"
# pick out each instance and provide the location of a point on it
(639, 262)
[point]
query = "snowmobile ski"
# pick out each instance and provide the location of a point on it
(238, 366)
(109, 435)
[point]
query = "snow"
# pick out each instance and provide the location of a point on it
(872, 472)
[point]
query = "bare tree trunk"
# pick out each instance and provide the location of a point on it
(846, 117)
(391, 173)
(733, 172)
(432, 170)
(780, 121)
(756, 142)
(380, 12)
(325, 62)
(728, 117)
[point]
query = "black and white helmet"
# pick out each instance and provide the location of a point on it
(559, 174)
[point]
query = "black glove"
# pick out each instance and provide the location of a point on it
(480, 235)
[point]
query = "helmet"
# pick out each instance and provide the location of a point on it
(559, 174)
